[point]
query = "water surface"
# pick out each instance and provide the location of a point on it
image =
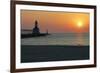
(58, 39)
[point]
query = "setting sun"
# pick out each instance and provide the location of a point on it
(79, 24)
(55, 22)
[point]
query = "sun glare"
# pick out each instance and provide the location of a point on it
(79, 24)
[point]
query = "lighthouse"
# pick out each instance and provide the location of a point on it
(35, 32)
(36, 29)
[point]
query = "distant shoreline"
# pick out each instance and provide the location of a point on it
(44, 53)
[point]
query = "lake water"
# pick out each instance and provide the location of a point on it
(58, 39)
(55, 47)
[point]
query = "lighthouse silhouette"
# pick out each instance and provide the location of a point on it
(36, 29)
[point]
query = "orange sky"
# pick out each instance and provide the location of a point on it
(55, 22)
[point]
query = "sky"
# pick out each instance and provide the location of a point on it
(56, 22)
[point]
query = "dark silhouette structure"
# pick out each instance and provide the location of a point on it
(36, 29)
(47, 32)
(35, 32)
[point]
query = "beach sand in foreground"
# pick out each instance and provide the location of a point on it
(45, 53)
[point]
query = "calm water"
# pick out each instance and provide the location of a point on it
(58, 39)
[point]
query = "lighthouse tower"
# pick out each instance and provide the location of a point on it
(36, 29)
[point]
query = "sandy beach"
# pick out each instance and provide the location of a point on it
(44, 53)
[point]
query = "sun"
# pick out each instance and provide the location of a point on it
(80, 24)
